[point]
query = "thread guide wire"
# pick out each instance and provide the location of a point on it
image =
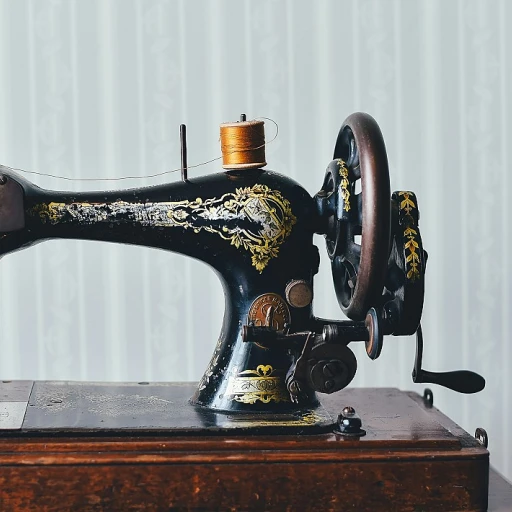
(184, 164)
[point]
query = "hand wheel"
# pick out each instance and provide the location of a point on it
(359, 270)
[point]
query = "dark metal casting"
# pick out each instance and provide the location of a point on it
(255, 229)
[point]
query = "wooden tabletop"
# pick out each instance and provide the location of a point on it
(96, 446)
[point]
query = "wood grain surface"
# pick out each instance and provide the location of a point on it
(413, 458)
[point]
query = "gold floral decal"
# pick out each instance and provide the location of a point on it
(412, 260)
(267, 210)
(303, 419)
(264, 384)
(345, 193)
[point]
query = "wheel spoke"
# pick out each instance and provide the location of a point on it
(351, 259)
(357, 216)
(353, 159)
(347, 279)
(326, 203)
(353, 254)
(355, 171)
(353, 155)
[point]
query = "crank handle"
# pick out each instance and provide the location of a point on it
(462, 381)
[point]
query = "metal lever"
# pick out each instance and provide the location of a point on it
(296, 376)
(462, 381)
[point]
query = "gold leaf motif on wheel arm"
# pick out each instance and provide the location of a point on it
(344, 185)
(413, 258)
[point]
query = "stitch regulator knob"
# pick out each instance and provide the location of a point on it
(299, 293)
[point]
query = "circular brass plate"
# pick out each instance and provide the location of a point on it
(269, 310)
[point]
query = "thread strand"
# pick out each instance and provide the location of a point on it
(147, 176)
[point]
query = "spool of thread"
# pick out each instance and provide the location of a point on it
(243, 145)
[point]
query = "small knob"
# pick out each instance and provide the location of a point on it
(298, 293)
(349, 423)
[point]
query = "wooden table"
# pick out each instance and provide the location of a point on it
(86, 446)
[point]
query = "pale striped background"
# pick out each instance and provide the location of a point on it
(99, 87)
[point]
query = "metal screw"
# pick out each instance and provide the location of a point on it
(349, 423)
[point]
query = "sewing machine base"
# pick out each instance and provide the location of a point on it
(142, 409)
(104, 450)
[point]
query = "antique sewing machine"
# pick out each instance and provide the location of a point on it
(272, 403)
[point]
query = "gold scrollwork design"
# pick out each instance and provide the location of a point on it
(304, 419)
(411, 246)
(345, 192)
(263, 384)
(268, 212)
(311, 418)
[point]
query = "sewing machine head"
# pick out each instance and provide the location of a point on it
(255, 228)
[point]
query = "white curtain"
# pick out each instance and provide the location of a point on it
(98, 88)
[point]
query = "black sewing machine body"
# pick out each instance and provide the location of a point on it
(243, 224)
(265, 404)
(255, 228)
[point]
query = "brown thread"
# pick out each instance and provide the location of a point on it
(243, 145)
(163, 173)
